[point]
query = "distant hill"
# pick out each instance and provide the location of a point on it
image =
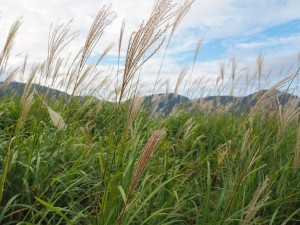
(17, 89)
(268, 101)
(163, 104)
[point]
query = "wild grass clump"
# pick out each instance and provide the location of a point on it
(69, 159)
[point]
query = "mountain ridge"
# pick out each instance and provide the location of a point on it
(164, 104)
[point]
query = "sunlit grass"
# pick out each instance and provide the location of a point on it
(73, 160)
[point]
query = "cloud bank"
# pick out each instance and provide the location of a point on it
(228, 28)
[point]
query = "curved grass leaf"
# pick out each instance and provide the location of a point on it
(55, 209)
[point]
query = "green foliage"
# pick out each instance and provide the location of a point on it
(208, 170)
(68, 159)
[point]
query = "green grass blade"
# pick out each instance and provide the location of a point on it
(55, 209)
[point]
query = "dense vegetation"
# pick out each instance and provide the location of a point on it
(84, 161)
(205, 168)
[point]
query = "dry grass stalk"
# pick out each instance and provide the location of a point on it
(167, 88)
(207, 106)
(34, 71)
(269, 100)
(160, 84)
(247, 80)
(180, 79)
(267, 77)
(23, 69)
(96, 31)
(224, 151)
(90, 80)
(106, 50)
(251, 162)
(119, 47)
(58, 40)
(56, 70)
(289, 112)
(120, 41)
(194, 62)
(9, 78)
(150, 147)
(103, 84)
(269, 96)
(119, 56)
(245, 144)
(260, 63)
(135, 108)
(41, 72)
(57, 119)
(254, 205)
(190, 127)
(181, 12)
(196, 87)
(85, 74)
(4, 55)
(102, 20)
(222, 154)
(25, 110)
(222, 66)
(72, 73)
(233, 67)
(297, 152)
(146, 37)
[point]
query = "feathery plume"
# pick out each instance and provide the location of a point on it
(180, 79)
(4, 54)
(57, 119)
(254, 204)
(150, 147)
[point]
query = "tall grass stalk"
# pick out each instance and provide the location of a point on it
(74, 159)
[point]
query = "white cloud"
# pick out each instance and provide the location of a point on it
(208, 19)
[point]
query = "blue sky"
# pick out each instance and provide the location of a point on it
(228, 28)
(270, 39)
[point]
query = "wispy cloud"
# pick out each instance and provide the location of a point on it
(229, 27)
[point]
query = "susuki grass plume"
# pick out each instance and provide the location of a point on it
(149, 35)
(167, 88)
(267, 97)
(58, 40)
(56, 118)
(119, 53)
(296, 164)
(214, 165)
(10, 78)
(179, 80)
(4, 55)
(148, 150)
(234, 65)
(27, 105)
(134, 109)
(182, 11)
(260, 63)
(22, 72)
(32, 75)
(193, 66)
(255, 204)
(102, 20)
